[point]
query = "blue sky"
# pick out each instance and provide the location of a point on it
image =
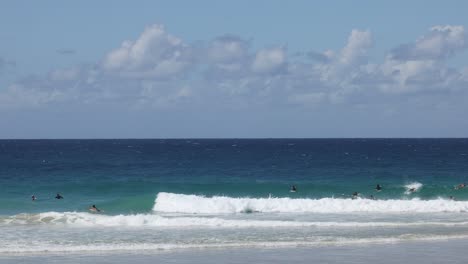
(151, 69)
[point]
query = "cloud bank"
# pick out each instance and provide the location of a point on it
(159, 70)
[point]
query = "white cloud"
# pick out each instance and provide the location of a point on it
(161, 70)
(227, 57)
(420, 66)
(228, 49)
(441, 42)
(269, 60)
(154, 54)
(357, 47)
(340, 68)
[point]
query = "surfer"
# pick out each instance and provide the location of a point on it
(412, 190)
(460, 186)
(378, 188)
(293, 188)
(355, 195)
(58, 196)
(33, 198)
(93, 208)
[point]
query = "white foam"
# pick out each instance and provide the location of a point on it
(52, 248)
(413, 187)
(194, 204)
(151, 220)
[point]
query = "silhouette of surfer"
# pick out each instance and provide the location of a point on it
(58, 196)
(293, 188)
(378, 188)
(93, 208)
(33, 198)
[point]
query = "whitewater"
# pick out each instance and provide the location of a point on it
(194, 204)
(179, 221)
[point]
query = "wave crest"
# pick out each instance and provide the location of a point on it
(195, 204)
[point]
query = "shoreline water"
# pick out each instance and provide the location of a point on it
(442, 251)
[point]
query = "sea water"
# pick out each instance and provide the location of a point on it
(221, 193)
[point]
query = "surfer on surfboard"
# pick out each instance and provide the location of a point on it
(293, 188)
(94, 209)
(378, 188)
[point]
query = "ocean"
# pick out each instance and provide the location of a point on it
(170, 194)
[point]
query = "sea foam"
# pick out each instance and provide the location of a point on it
(152, 220)
(195, 204)
(413, 187)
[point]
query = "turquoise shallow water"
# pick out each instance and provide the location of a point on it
(184, 193)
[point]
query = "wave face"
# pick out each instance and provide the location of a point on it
(194, 204)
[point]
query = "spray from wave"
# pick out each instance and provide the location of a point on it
(195, 204)
(413, 187)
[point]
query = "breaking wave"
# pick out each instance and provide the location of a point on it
(195, 204)
(413, 187)
(151, 220)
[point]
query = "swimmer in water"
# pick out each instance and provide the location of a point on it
(378, 188)
(355, 195)
(93, 208)
(293, 188)
(58, 196)
(33, 198)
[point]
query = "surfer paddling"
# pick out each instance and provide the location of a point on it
(94, 209)
(460, 186)
(355, 195)
(293, 188)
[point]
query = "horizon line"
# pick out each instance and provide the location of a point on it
(220, 138)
